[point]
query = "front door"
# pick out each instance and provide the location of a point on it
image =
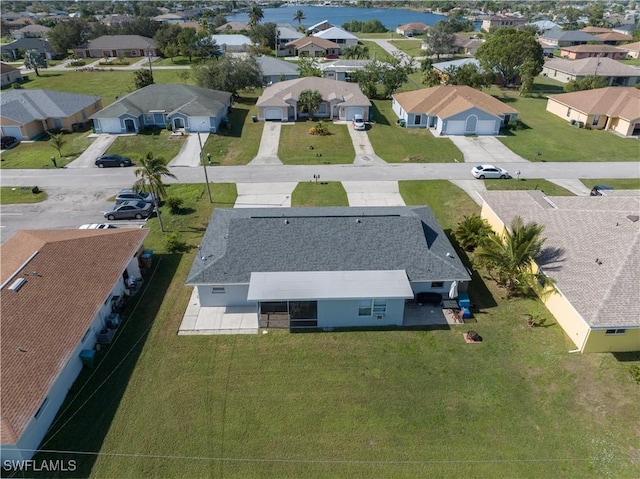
(129, 125)
(178, 124)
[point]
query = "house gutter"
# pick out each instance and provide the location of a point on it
(15, 273)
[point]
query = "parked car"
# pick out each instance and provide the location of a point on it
(598, 189)
(358, 122)
(8, 142)
(489, 171)
(113, 160)
(97, 226)
(129, 195)
(129, 210)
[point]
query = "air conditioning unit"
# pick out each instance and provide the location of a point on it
(379, 315)
(105, 336)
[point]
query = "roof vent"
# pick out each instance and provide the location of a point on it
(358, 220)
(286, 222)
(17, 284)
(633, 218)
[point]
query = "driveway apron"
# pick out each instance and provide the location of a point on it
(471, 187)
(264, 195)
(268, 151)
(96, 149)
(373, 193)
(484, 150)
(189, 154)
(362, 146)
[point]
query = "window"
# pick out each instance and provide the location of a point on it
(86, 335)
(379, 306)
(437, 284)
(41, 408)
(596, 120)
(217, 290)
(417, 119)
(303, 309)
(364, 307)
(568, 111)
(134, 53)
(615, 332)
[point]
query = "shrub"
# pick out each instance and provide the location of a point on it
(320, 129)
(77, 63)
(634, 369)
(175, 204)
(174, 244)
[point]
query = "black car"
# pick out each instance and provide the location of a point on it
(8, 142)
(113, 160)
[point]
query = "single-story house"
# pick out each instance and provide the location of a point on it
(443, 68)
(616, 73)
(59, 291)
(591, 252)
(233, 43)
(340, 100)
(611, 108)
(614, 38)
(567, 38)
(31, 31)
(323, 267)
(632, 49)
(116, 20)
(274, 70)
(28, 114)
(501, 21)
(465, 43)
(232, 27)
(339, 36)
(184, 107)
(167, 18)
(311, 47)
(318, 27)
(412, 29)
(9, 74)
(545, 25)
(15, 50)
(117, 46)
(578, 52)
(343, 70)
(285, 34)
(452, 110)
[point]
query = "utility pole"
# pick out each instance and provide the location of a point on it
(204, 166)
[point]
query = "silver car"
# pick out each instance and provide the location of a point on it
(129, 210)
(132, 195)
(489, 171)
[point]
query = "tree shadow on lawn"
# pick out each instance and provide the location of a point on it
(238, 117)
(95, 396)
(633, 356)
(378, 117)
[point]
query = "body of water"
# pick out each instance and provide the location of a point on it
(389, 17)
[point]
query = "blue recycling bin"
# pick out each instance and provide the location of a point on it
(88, 357)
(465, 302)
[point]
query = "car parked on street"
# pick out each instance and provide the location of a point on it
(113, 160)
(489, 171)
(129, 210)
(8, 142)
(132, 195)
(358, 122)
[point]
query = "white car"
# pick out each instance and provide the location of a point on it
(97, 226)
(489, 171)
(358, 122)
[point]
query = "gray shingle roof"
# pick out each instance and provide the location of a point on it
(241, 241)
(38, 44)
(592, 66)
(190, 100)
(119, 42)
(569, 36)
(25, 106)
(349, 93)
(273, 66)
(584, 229)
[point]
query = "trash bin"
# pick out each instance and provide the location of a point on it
(88, 357)
(254, 118)
(145, 258)
(402, 123)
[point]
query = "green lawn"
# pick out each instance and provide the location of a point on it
(323, 193)
(384, 35)
(177, 60)
(555, 139)
(631, 61)
(355, 404)
(550, 189)
(335, 148)
(406, 145)
(410, 47)
(37, 154)
(376, 52)
(156, 141)
(618, 184)
(10, 195)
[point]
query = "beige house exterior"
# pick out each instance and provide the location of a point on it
(592, 257)
(612, 108)
(632, 49)
(616, 73)
(312, 47)
(9, 74)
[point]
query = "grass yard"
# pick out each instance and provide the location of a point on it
(410, 47)
(555, 139)
(155, 140)
(383, 35)
(353, 404)
(618, 184)
(324, 193)
(240, 145)
(37, 154)
(177, 60)
(549, 188)
(376, 52)
(335, 148)
(11, 195)
(406, 145)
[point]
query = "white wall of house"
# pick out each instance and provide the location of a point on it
(107, 125)
(201, 123)
(345, 313)
(223, 294)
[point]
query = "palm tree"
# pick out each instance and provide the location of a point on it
(472, 231)
(299, 16)
(310, 100)
(57, 142)
(255, 15)
(510, 257)
(149, 174)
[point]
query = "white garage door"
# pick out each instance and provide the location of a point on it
(349, 112)
(273, 114)
(486, 127)
(455, 127)
(12, 131)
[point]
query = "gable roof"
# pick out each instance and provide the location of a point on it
(232, 26)
(569, 36)
(335, 33)
(320, 24)
(591, 29)
(616, 102)
(614, 36)
(442, 66)
(118, 42)
(241, 241)
(583, 229)
(317, 41)
(592, 66)
(344, 65)
(233, 39)
(286, 32)
(346, 93)
(412, 26)
(6, 68)
(272, 66)
(592, 48)
(24, 106)
(448, 100)
(630, 47)
(170, 97)
(33, 29)
(38, 44)
(44, 321)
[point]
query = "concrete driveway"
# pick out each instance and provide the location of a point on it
(264, 195)
(189, 154)
(373, 193)
(484, 150)
(361, 144)
(96, 149)
(268, 151)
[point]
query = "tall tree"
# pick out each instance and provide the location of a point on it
(57, 142)
(589, 82)
(68, 35)
(149, 174)
(299, 16)
(308, 67)
(187, 39)
(509, 257)
(255, 15)
(142, 78)
(472, 231)
(511, 53)
(165, 35)
(229, 74)
(34, 61)
(394, 73)
(264, 35)
(439, 40)
(309, 100)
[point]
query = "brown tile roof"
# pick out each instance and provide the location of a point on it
(413, 26)
(44, 321)
(603, 67)
(347, 93)
(448, 100)
(592, 48)
(616, 102)
(615, 36)
(232, 26)
(319, 42)
(5, 68)
(630, 47)
(595, 30)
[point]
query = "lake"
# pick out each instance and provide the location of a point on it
(389, 17)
